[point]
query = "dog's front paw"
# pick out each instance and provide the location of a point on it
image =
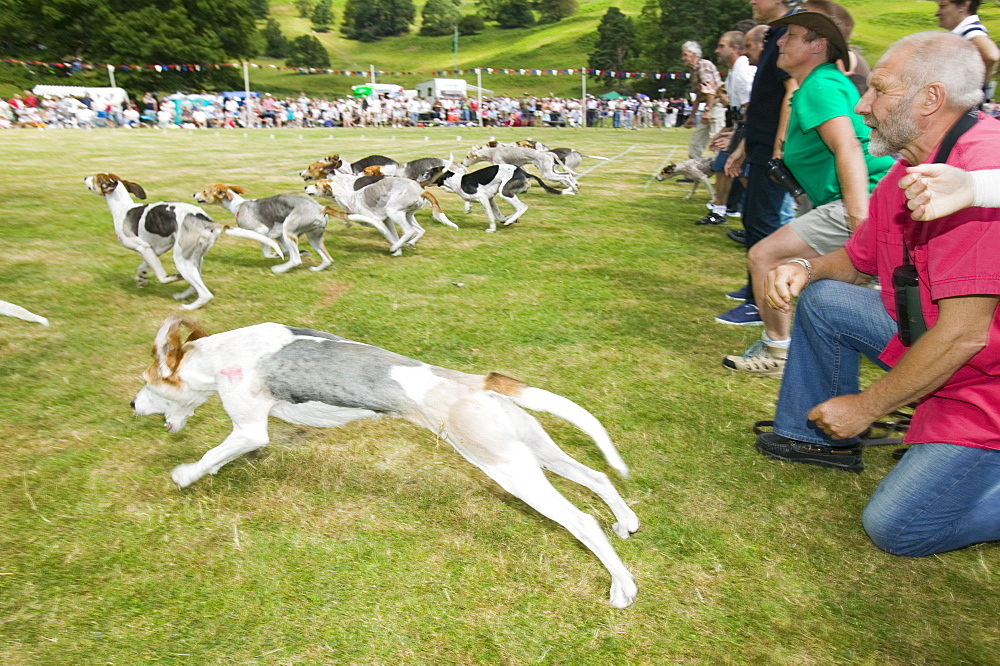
(185, 475)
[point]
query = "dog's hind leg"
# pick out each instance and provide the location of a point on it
(315, 238)
(520, 208)
(420, 231)
(552, 458)
(703, 179)
(193, 242)
(485, 435)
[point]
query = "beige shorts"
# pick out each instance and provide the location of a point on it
(825, 228)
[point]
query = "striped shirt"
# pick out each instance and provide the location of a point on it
(970, 27)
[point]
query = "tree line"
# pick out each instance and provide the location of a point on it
(214, 31)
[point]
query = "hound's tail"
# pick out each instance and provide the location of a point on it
(253, 235)
(337, 214)
(436, 211)
(540, 400)
(546, 187)
(12, 310)
(598, 157)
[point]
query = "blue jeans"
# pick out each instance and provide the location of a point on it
(835, 323)
(939, 497)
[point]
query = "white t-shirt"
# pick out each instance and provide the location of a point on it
(739, 81)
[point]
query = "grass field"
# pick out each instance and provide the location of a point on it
(376, 543)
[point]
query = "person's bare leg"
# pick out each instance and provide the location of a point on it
(776, 249)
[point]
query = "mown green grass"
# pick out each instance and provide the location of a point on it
(376, 543)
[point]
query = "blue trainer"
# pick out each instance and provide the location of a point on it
(741, 294)
(744, 314)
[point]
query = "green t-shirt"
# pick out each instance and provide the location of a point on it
(825, 94)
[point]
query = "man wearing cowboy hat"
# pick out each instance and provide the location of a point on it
(825, 149)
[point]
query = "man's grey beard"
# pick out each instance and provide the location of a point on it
(896, 131)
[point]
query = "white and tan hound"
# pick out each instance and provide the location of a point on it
(152, 229)
(284, 217)
(314, 378)
(384, 202)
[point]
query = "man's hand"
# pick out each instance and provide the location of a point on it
(844, 416)
(734, 165)
(936, 190)
(689, 122)
(783, 284)
(721, 140)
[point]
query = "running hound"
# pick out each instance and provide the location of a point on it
(544, 161)
(383, 202)
(697, 169)
(500, 180)
(568, 157)
(313, 378)
(414, 169)
(152, 229)
(284, 216)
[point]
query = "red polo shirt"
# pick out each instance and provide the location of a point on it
(958, 255)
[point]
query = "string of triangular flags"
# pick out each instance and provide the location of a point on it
(365, 73)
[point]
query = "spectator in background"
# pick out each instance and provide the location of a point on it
(705, 84)
(766, 125)
(739, 80)
(960, 17)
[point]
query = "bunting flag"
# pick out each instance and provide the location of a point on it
(671, 76)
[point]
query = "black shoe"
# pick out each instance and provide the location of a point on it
(737, 236)
(712, 218)
(775, 446)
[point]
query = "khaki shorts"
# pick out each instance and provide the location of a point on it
(825, 228)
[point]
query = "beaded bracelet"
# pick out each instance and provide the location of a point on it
(806, 264)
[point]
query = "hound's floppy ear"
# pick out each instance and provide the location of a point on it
(373, 170)
(331, 159)
(432, 176)
(237, 189)
(493, 144)
(167, 347)
(134, 188)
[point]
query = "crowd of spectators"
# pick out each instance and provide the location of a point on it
(220, 110)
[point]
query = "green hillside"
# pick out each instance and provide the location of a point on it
(563, 45)
(556, 46)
